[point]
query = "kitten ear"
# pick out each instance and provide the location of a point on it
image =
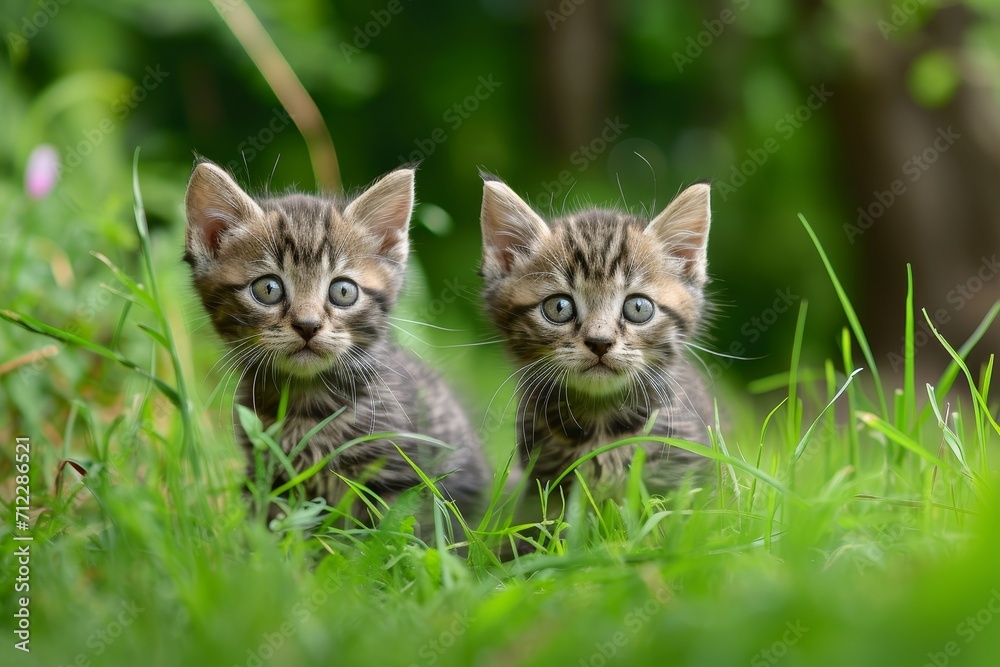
(214, 203)
(509, 226)
(385, 209)
(683, 229)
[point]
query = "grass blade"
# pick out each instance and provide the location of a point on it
(184, 402)
(978, 400)
(35, 326)
(794, 407)
(693, 447)
(812, 427)
(909, 382)
(949, 436)
(852, 403)
(950, 374)
(897, 436)
(852, 317)
(137, 290)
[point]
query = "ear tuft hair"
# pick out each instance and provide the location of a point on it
(510, 228)
(385, 209)
(683, 227)
(214, 204)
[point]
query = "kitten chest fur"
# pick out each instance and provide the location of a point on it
(408, 398)
(567, 430)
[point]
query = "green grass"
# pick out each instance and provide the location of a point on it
(847, 529)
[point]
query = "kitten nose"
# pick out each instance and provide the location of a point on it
(599, 346)
(306, 328)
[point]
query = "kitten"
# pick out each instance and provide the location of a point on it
(301, 288)
(597, 307)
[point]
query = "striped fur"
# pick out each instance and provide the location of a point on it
(599, 377)
(331, 357)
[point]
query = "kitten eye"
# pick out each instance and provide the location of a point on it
(558, 309)
(638, 309)
(267, 290)
(343, 293)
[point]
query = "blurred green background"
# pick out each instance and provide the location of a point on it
(831, 109)
(878, 121)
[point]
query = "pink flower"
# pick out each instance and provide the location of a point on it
(42, 171)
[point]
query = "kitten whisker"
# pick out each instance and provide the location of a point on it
(425, 324)
(661, 398)
(443, 347)
(543, 375)
(476, 344)
(720, 354)
(550, 381)
(411, 335)
(382, 258)
(559, 402)
(652, 206)
(369, 390)
(372, 373)
(238, 364)
(493, 398)
(566, 196)
(253, 355)
(195, 322)
(681, 392)
(655, 378)
(253, 383)
(366, 355)
(630, 393)
(521, 392)
(640, 392)
(553, 384)
(526, 383)
(267, 184)
(272, 370)
(621, 190)
(697, 357)
(569, 406)
(234, 350)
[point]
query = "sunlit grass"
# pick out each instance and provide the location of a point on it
(847, 526)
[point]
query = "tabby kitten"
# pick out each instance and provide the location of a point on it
(301, 288)
(597, 307)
